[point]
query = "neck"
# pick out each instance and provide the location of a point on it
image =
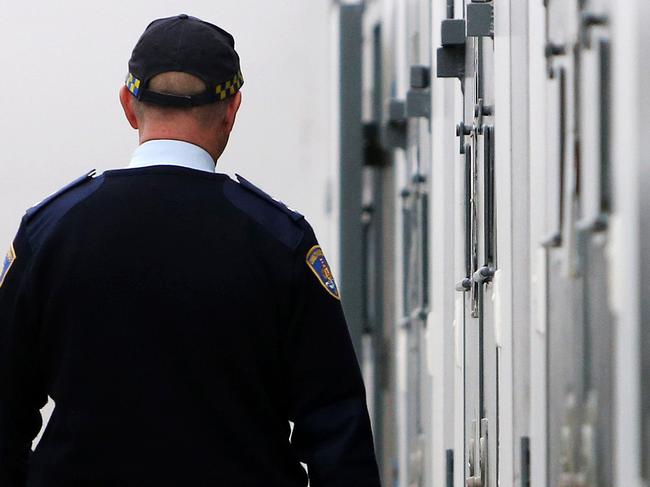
(212, 147)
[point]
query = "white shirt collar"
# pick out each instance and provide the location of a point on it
(167, 152)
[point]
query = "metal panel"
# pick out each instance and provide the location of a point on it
(481, 351)
(631, 77)
(514, 465)
(535, 237)
(644, 311)
(580, 444)
(351, 157)
(538, 138)
(644, 244)
(597, 408)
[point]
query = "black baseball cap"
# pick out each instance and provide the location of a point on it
(187, 44)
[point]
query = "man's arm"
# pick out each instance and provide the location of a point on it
(20, 391)
(332, 433)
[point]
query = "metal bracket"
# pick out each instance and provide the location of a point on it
(484, 448)
(374, 154)
(418, 98)
(481, 110)
(462, 130)
(451, 56)
(420, 77)
(552, 50)
(473, 480)
(464, 285)
(480, 20)
(552, 241)
(453, 32)
(484, 274)
(589, 20)
(596, 224)
(479, 478)
(394, 132)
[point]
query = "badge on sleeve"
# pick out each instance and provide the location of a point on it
(318, 264)
(6, 265)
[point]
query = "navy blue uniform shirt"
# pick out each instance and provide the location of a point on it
(179, 320)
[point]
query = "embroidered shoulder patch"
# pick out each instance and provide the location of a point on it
(6, 265)
(318, 264)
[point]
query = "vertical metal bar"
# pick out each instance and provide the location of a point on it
(377, 76)
(474, 203)
(562, 161)
(450, 468)
(605, 129)
(366, 250)
(468, 211)
(406, 248)
(424, 212)
(525, 461)
(547, 364)
(450, 9)
(639, 120)
(488, 195)
(576, 191)
(480, 302)
(351, 155)
(584, 282)
(377, 262)
(381, 369)
(480, 91)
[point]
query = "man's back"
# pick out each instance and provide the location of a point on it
(178, 319)
(179, 328)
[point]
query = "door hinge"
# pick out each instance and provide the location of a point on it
(418, 98)
(451, 56)
(480, 20)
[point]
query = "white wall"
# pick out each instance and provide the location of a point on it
(62, 64)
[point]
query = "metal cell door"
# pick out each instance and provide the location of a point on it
(415, 241)
(595, 206)
(565, 327)
(377, 225)
(580, 323)
(477, 147)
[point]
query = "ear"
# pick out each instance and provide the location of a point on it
(231, 113)
(126, 99)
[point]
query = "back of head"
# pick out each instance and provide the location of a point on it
(178, 83)
(183, 83)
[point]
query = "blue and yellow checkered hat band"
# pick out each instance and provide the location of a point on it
(133, 84)
(221, 91)
(230, 87)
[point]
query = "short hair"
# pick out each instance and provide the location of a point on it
(181, 84)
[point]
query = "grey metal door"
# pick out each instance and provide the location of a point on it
(580, 324)
(415, 241)
(378, 206)
(477, 145)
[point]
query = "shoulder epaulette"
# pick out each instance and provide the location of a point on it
(279, 204)
(77, 182)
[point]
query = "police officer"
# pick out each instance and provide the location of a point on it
(178, 319)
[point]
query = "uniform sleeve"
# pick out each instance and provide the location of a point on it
(20, 394)
(332, 432)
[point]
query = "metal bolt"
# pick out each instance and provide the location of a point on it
(419, 178)
(554, 50)
(590, 19)
(462, 129)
